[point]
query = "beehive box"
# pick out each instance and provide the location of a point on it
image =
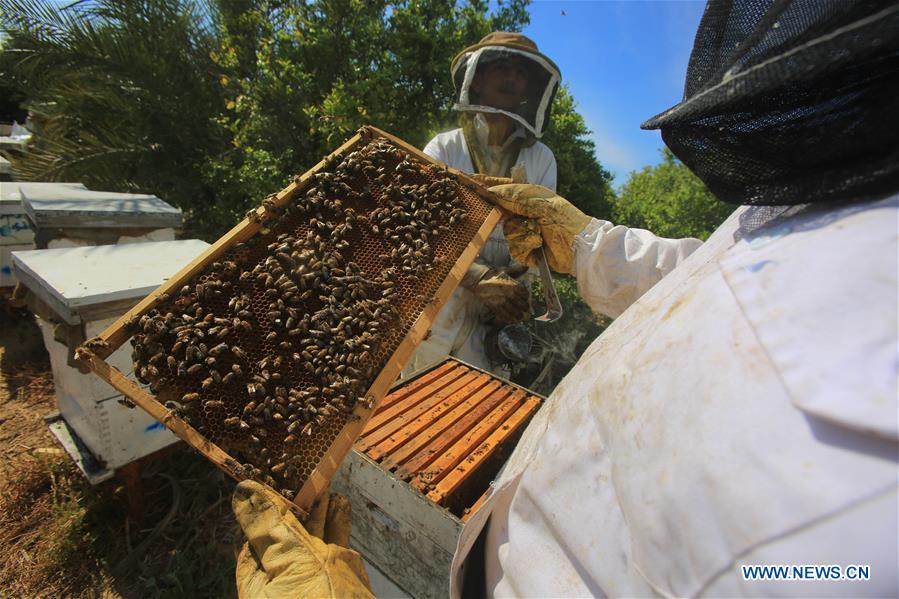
(269, 352)
(424, 463)
(77, 293)
(15, 230)
(69, 214)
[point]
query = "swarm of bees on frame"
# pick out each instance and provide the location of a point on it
(284, 333)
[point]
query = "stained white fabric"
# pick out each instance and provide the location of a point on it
(741, 411)
(459, 329)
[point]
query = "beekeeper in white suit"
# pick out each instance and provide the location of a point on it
(741, 412)
(504, 93)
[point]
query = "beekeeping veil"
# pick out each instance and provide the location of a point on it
(791, 101)
(543, 80)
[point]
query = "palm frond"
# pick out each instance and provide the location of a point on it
(125, 92)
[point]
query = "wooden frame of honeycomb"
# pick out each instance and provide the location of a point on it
(270, 351)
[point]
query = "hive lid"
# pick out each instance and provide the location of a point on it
(73, 205)
(71, 280)
(11, 193)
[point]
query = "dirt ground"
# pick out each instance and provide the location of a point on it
(60, 536)
(26, 392)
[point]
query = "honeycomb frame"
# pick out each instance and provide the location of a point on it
(420, 299)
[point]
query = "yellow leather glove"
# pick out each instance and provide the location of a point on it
(488, 181)
(549, 220)
(507, 298)
(282, 559)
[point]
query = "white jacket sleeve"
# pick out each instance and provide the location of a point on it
(615, 265)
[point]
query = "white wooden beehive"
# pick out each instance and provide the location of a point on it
(91, 287)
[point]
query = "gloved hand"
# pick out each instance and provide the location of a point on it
(507, 298)
(282, 559)
(488, 181)
(551, 221)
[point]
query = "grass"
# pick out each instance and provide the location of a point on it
(61, 537)
(50, 529)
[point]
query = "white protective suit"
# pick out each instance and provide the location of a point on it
(742, 411)
(459, 329)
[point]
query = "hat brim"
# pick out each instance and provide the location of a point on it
(502, 46)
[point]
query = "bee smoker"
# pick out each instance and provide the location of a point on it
(510, 344)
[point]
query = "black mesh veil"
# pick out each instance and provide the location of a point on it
(791, 101)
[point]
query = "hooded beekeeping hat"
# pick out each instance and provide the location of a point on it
(543, 78)
(790, 102)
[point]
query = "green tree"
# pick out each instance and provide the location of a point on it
(11, 97)
(213, 105)
(324, 68)
(123, 90)
(669, 200)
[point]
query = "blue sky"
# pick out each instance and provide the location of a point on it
(624, 61)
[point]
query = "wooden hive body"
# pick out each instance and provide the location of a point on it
(424, 463)
(76, 293)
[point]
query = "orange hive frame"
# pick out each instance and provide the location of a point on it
(438, 431)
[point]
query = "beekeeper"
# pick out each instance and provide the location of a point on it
(504, 93)
(741, 411)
